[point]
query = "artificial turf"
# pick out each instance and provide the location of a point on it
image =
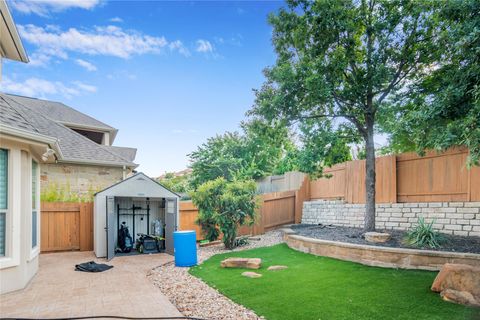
(323, 288)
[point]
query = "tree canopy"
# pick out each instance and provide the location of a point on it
(341, 64)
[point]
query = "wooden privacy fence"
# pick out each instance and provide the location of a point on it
(66, 226)
(275, 209)
(436, 177)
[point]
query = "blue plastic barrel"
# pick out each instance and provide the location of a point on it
(185, 243)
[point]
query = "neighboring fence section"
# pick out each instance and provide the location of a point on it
(275, 209)
(66, 226)
(404, 178)
(286, 182)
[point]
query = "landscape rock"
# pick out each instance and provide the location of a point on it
(275, 268)
(461, 297)
(248, 263)
(377, 237)
(459, 283)
(250, 274)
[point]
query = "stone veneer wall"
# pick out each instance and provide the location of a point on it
(78, 179)
(458, 218)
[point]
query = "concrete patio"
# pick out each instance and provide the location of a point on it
(59, 291)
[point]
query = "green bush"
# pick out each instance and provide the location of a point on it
(423, 235)
(226, 206)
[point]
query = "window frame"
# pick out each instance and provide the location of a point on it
(13, 212)
(34, 251)
(6, 210)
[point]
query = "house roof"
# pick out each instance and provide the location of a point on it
(125, 152)
(11, 46)
(71, 146)
(59, 112)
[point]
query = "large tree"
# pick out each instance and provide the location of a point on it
(445, 110)
(340, 63)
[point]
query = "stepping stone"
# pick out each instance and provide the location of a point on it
(250, 274)
(377, 237)
(247, 263)
(275, 268)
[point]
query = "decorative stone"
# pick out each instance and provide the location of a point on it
(248, 263)
(377, 237)
(275, 268)
(250, 274)
(461, 297)
(459, 283)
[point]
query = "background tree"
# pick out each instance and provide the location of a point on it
(227, 205)
(446, 110)
(340, 63)
(234, 156)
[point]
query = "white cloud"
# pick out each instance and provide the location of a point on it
(177, 45)
(35, 87)
(116, 19)
(108, 41)
(44, 7)
(87, 65)
(204, 46)
(85, 87)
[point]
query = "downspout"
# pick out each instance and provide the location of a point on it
(124, 172)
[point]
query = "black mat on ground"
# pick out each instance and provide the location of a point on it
(92, 266)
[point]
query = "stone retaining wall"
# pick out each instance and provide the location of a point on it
(379, 256)
(458, 218)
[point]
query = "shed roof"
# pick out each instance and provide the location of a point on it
(138, 185)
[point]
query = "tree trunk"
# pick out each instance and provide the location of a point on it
(370, 180)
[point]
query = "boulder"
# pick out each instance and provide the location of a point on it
(250, 274)
(248, 263)
(275, 268)
(377, 237)
(461, 297)
(458, 283)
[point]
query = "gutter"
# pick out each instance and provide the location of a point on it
(97, 162)
(26, 134)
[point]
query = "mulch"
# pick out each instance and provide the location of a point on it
(355, 235)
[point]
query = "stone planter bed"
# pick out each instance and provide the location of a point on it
(354, 235)
(340, 244)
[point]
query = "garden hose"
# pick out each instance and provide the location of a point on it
(107, 317)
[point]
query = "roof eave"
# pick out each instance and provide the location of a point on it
(21, 54)
(98, 162)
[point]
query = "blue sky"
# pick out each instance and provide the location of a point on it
(168, 75)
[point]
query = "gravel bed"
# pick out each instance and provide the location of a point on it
(193, 297)
(355, 235)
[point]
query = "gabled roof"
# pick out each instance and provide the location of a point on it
(121, 188)
(71, 146)
(59, 112)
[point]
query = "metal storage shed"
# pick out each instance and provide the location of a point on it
(148, 202)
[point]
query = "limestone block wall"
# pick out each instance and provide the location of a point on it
(458, 218)
(81, 180)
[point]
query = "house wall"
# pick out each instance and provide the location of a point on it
(78, 180)
(20, 262)
(458, 218)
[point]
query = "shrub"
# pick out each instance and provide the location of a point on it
(423, 235)
(226, 205)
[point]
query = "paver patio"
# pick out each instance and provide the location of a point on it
(59, 291)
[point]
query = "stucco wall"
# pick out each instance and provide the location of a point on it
(81, 180)
(459, 218)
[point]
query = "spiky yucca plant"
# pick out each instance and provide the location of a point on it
(423, 235)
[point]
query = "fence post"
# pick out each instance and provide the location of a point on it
(301, 195)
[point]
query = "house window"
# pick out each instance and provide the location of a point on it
(3, 197)
(34, 203)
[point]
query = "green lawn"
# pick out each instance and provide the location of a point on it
(324, 288)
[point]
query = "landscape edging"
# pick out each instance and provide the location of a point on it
(377, 256)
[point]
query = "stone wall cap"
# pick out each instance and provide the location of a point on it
(390, 249)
